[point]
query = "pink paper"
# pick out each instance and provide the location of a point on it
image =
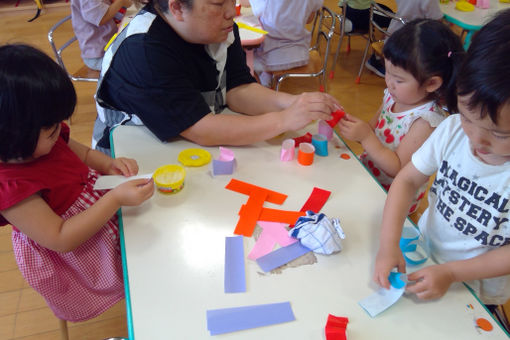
(272, 233)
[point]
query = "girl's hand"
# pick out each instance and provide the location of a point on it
(354, 128)
(431, 282)
(386, 260)
(123, 166)
(134, 192)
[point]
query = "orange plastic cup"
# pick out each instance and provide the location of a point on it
(238, 9)
(305, 153)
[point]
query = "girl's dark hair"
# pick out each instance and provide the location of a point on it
(427, 48)
(486, 70)
(162, 5)
(35, 93)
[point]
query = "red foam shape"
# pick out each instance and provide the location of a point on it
(337, 115)
(303, 139)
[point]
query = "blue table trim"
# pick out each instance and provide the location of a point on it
(129, 312)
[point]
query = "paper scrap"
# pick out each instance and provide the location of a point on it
(228, 320)
(235, 276)
(272, 233)
(281, 256)
(111, 181)
(384, 298)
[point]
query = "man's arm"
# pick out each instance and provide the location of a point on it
(298, 111)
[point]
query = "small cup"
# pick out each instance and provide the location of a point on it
(169, 179)
(305, 153)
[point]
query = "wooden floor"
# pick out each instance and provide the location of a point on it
(23, 313)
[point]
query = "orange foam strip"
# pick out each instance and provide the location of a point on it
(249, 189)
(282, 216)
(249, 213)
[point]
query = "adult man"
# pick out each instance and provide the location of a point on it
(177, 64)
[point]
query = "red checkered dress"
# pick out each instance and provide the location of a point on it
(81, 284)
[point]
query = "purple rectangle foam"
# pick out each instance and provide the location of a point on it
(281, 256)
(228, 320)
(235, 278)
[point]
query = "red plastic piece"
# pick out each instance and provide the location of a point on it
(303, 139)
(336, 327)
(337, 115)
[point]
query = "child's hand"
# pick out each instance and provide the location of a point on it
(386, 260)
(354, 128)
(134, 192)
(431, 282)
(123, 166)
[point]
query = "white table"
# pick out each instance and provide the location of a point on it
(471, 21)
(173, 248)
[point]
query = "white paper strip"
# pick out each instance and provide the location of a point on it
(111, 181)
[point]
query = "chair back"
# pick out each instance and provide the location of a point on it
(376, 34)
(84, 73)
(376, 9)
(323, 28)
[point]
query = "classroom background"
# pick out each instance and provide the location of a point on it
(23, 313)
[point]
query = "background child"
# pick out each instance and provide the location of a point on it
(415, 9)
(420, 72)
(94, 25)
(357, 14)
(466, 223)
(65, 234)
(287, 43)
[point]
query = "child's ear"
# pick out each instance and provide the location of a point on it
(175, 8)
(433, 83)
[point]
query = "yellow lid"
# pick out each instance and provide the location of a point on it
(464, 6)
(194, 157)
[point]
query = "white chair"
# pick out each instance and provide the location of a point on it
(322, 34)
(375, 42)
(83, 73)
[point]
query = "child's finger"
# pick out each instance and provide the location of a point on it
(132, 166)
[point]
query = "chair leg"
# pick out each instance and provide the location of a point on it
(332, 72)
(348, 44)
(64, 334)
(358, 78)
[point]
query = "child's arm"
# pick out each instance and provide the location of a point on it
(432, 282)
(390, 161)
(397, 205)
(113, 9)
(103, 163)
(38, 221)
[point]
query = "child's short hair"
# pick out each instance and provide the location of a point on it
(427, 48)
(485, 72)
(35, 93)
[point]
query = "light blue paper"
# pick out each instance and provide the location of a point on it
(228, 320)
(235, 278)
(409, 242)
(384, 298)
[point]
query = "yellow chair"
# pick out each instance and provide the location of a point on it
(375, 41)
(322, 34)
(83, 73)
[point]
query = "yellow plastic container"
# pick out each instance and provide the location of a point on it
(464, 6)
(169, 179)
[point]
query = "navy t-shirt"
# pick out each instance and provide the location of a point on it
(160, 78)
